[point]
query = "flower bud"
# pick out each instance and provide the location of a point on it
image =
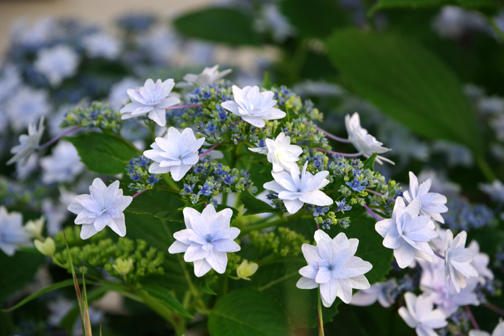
(47, 247)
(246, 270)
(123, 266)
(34, 227)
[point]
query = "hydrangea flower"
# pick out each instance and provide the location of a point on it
(261, 148)
(26, 106)
(480, 262)
(12, 232)
(297, 189)
(206, 77)
(152, 98)
(364, 142)
(420, 315)
(176, 153)
(27, 143)
(207, 239)
(253, 106)
(63, 165)
(495, 190)
(102, 45)
(380, 292)
(458, 260)
(333, 266)
(118, 95)
(103, 207)
(282, 154)
(57, 63)
(407, 233)
(431, 204)
(498, 331)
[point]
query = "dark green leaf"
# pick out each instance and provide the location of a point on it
(18, 271)
(162, 295)
(406, 82)
(390, 4)
(254, 205)
(156, 202)
(369, 163)
(247, 312)
(103, 153)
(266, 83)
(314, 18)
(221, 24)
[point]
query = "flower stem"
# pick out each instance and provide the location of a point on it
(438, 254)
(55, 139)
(471, 317)
(319, 313)
(378, 194)
(494, 308)
(340, 154)
(139, 193)
(208, 151)
(485, 169)
(375, 216)
(329, 135)
(182, 106)
(496, 27)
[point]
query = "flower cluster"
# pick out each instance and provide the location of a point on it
(96, 114)
(138, 171)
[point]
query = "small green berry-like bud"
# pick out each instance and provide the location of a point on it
(47, 247)
(34, 227)
(123, 266)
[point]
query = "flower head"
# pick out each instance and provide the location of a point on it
(47, 247)
(458, 260)
(102, 45)
(261, 147)
(333, 266)
(246, 269)
(380, 291)
(12, 232)
(152, 98)
(480, 262)
(364, 142)
(206, 77)
(175, 153)
(407, 233)
(34, 227)
(207, 239)
(57, 63)
(103, 207)
(498, 331)
(296, 189)
(282, 154)
(420, 315)
(27, 143)
(63, 165)
(431, 204)
(253, 106)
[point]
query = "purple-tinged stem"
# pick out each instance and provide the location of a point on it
(494, 308)
(334, 137)
(238, 121)
(340, 154)
(208, 150)
(182, 106)
(378, 194)
(139, 193)
(55, 139)
(471, 317)
(318, 227)
(372, 213)
(438, 254)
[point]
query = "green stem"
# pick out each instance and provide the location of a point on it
(224, 199)
(319, 313)
(485, 169)
(129, 144)
(262, 225)
(496, 27)
(166, 177)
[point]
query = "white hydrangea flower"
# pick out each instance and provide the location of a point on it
(297, 189)
(480, 262)
(102, 45)
(176, 153)
(27, 143)
(57, 63)
(498, 331)
(495, 190)
(364, 142)
(207, 239)
(118, 95)
(282, 154)
(206, 77)
(407, 233)
(420, 315)
(63, 165)
(380, 292)
(458, 260)
(253, 106)
(9, 80)
(333, 266)
(261, 148)
(152, 98)
(26, 106)
(12, 232)
(431, 204)
(103, 207)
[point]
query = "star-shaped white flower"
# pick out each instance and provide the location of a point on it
(364, 142)
(431, 204)
(12, 232)
(480, 262)
(152, 98)
(282, 154)
(458, 260)
(420, 315)
(27, 143)
(380, 291)
(103, 207)
(498, 331)
(206, 77)
(295, 189)
(333, 266)
(207, 239)
(407, 233)
(253, 106)
(57, 63)
(175, 153)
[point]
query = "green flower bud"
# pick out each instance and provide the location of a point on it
(246, 270)
(34, 227)
(123, 266)
(47, 247)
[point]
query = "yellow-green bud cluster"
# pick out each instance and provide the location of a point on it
(282, 243)
(96, 114)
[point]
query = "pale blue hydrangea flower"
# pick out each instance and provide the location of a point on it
(102, 45)
(458, 260)
(103, 207)
(282, 154)
(12, 232)
(27, 143)
(419, 314)
(431, 204)
(26, 106)
(206, 77)
(57, 63)
(207, 239)
(63, 165)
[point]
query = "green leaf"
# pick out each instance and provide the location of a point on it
(69, 319)
(156, 202)
(220, 24)
(162, 295)
(266, 83)
(254, 205)
(391, 4)
(103, 153)
(406, 82)
(18, 271)
(369, 163)
(247, 312)
(315, 18)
